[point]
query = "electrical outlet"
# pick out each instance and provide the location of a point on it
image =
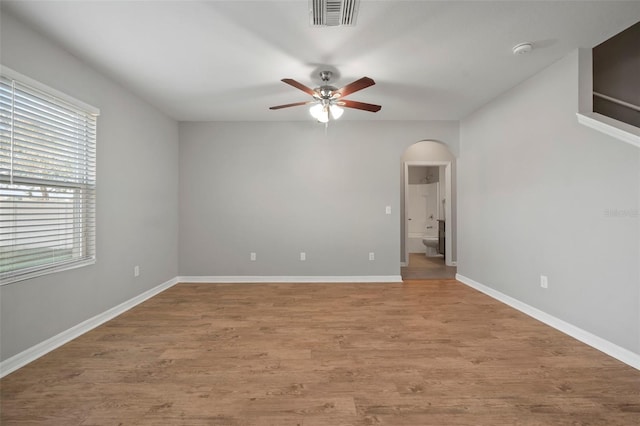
(253, 256)
(136, 271)
(372, 256)
(303, 256)
(544, 281)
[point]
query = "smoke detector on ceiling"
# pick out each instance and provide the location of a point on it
(522, 48)
(333, 13)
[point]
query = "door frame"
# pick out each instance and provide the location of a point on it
(447, 207)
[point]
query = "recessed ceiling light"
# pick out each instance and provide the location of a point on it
(522, 48)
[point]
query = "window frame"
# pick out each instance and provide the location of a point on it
(85, 194)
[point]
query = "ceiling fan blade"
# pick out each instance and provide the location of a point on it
(360, 84)
(291, 105)
(359, 105)
(297, 85)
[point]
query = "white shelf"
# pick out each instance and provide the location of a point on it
(614, 128)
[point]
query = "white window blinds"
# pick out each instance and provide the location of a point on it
(47, 181)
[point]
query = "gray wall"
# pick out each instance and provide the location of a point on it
(137, 195)
(281, 188)
(540, 194)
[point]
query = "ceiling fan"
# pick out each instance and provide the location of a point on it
(328, 100)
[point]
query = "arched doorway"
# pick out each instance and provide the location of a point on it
(428, 228)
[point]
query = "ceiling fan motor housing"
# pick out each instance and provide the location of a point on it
(326, 75)
(325, 91)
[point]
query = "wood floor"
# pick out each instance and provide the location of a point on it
(418, 353)
(421, 267)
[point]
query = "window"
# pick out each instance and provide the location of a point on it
(47, 180)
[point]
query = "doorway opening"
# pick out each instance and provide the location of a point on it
(427, 249)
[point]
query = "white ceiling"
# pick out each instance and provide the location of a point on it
(223, 60)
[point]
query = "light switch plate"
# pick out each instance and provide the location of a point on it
(544, 281)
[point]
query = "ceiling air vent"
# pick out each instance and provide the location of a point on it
(332, 13)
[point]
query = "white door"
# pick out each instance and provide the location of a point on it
(418, 208)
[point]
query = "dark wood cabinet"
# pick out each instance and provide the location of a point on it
(441, 237)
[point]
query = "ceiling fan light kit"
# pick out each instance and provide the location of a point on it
(322, 112)
(328, 101)
(336, 111)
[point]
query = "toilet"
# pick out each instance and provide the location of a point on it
(431, 244)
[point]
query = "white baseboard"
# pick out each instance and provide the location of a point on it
(621, 354)
(25, 357)
(292, 279)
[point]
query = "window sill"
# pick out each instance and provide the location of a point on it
(614, 128)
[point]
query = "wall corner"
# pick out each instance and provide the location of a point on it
(585, 81)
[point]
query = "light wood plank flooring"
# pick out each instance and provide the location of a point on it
(421, 267)
(418, 353)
